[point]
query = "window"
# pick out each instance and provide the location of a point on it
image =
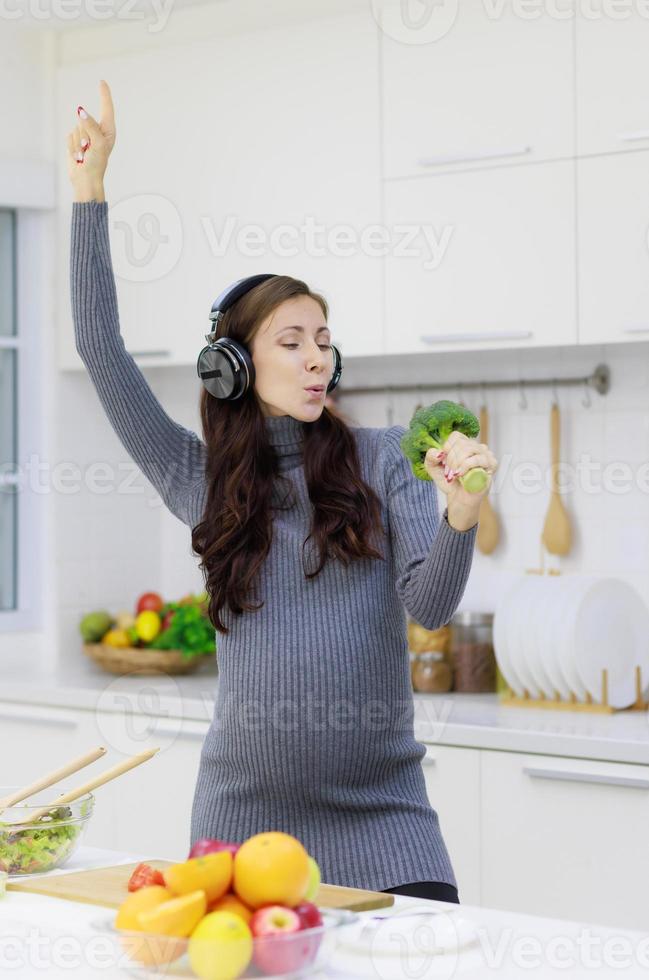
(9, 353)
(25, 316)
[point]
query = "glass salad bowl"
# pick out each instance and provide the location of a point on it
(30, 847)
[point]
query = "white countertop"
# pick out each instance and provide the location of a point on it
(468, 720)
(42, 936)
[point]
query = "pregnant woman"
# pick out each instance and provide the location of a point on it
(313, 537)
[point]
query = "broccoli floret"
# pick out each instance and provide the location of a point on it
(430, 427)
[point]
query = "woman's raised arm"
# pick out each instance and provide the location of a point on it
(170, 456)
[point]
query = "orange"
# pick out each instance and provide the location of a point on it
(271, 868)
(230, 903)
(176, 917)
(211, 873)
(140, 901)
(152, 950)
(220, 947)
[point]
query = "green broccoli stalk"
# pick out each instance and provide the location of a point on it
(430, 428)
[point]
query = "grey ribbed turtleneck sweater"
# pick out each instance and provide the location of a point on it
(312, 730)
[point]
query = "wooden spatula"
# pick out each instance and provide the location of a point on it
(557, 533)
(488, 528)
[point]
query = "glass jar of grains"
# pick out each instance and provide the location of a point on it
(430, 672)
(472, 652)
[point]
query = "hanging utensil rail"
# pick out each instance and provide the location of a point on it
(599, 380)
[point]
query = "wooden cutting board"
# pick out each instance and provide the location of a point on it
(107, 887)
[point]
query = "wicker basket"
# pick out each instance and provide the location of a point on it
(139, 660)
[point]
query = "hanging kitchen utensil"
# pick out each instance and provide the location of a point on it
(557, 533)
(488, 527)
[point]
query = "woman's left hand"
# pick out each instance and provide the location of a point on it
(460, 454)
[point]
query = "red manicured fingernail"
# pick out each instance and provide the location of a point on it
(79, 157)
(85, 144)
(82, 112)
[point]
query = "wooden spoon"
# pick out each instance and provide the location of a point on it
(557, 533)
(488, 528)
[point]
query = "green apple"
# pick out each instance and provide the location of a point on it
(314, 881)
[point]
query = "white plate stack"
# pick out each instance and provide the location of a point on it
(554, 634)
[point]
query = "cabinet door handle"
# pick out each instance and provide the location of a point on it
(486, 154)
(461, 338)
(634, 782)
(36, 718)
(639, 134)
(633, 330)
(179, 731)
(150, 353)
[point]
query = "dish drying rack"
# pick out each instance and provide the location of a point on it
(557, 703)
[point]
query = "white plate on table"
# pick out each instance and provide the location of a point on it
(518, 635)
(569, 597)
(501, 643)
(536, 647)
(610, 630)
(547, 639)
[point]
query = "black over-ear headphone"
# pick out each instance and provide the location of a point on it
(225, 366)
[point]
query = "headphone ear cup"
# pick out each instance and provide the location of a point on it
(226, 369)
(338, 368)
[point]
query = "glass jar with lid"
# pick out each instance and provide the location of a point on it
(430, 672)
(472, 652)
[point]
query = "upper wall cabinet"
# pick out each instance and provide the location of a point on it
(475, 84)
(237, 154)
(613, 209)
(612, 77)
(484, 259)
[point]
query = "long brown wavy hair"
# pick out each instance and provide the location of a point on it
(235, 533)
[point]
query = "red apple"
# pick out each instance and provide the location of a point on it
(149, 601)
(308, 914)
(279, 946)
(209, 845)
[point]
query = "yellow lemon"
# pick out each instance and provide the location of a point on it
(177, 917)
(142, 900)
(116, 638)
(220, 947)
(147, 625)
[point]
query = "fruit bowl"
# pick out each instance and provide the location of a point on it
(29, 847)
(289, 955)
(140, 660)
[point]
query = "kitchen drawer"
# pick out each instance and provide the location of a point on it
(612, 78)
(35, 739)
(147, 810)
(613, 245)
(466, 85)
(486, 260)
(453, 786)
(565, 838)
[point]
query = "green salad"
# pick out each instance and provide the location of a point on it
(33, 848)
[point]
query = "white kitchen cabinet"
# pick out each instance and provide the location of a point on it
(36, 739)
(148, 809)
(613, 223)
(486, 260)
(565, 838)
(471, 84)
(274, 169)
(453, 787)
(612, 77)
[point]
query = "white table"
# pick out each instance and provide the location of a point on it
(53, 938)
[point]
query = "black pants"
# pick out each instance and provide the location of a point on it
(439, 891)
